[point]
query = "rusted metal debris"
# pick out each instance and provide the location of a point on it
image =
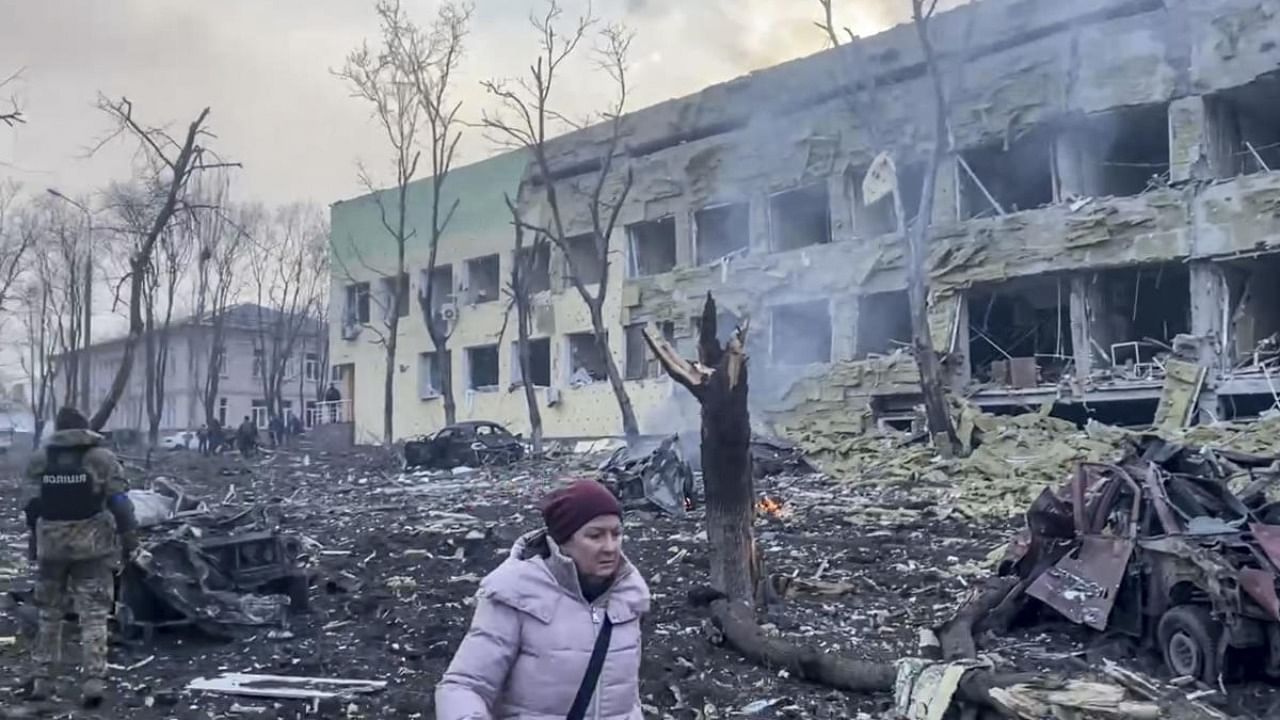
(1160, 547)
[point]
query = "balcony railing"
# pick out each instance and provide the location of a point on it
(324, 413)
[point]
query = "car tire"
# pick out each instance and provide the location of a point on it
(1190, 639)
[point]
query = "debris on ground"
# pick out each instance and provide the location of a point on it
(285, 687)
(860, 559)
(1158, 547)
(648, 473)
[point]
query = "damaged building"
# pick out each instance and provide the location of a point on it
(1112, 203)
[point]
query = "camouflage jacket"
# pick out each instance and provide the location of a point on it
(97, 537)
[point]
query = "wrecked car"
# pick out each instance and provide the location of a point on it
(1159, 548)
(214, 584)
(648, 474)
(475, 443)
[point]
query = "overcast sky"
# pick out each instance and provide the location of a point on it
(264, 67)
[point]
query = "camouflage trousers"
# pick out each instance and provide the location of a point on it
(88, 586)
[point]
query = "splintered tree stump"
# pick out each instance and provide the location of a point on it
(719, 382)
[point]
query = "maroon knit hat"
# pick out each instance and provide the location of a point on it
(566, 510)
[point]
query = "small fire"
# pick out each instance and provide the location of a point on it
(769, 506)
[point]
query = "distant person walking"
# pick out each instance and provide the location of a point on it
(247, 437)
(556, 631)
(331, 398)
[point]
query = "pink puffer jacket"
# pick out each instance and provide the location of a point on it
(532, 636)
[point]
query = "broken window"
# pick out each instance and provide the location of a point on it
(357, 304)
(428, 375)
(720, 231)
(799, 218)
(1134, 147)
(394, 295)
(536, 261)
(483, 279)
(1255, 310)
(801, 333)
(640, 361)
(441, 287)
(1243, 122)
(482, 367)
(587, 361)
(652, 247)
(1017, 176)
(880, 218)
(883, 324)
(1020, 331)
(582, 259)
(539, 363)
(1139, 311)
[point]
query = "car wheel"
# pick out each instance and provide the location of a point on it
(1189, 640)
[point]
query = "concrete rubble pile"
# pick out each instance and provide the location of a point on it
(1009, 458)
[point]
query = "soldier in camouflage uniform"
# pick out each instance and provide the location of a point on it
(82, 519)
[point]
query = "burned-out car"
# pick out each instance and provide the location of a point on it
(474, 444)
(1161, 549)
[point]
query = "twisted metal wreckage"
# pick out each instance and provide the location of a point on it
(214, 570)
(1159, 547)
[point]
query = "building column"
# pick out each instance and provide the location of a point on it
(1077, 164)
(684, 237)
(1204, 139)
(946, 192)
(1089, 337)
(846, 311)
(1209, 298)
(758, 212)
(840, 198)
(958, 366)
(1208, 309)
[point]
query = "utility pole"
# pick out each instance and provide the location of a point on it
(88, 298)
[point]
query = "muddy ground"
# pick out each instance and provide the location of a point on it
(396, 558)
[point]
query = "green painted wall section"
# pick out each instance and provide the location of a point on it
(360, 241)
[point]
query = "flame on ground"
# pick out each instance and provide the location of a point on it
(769, 506)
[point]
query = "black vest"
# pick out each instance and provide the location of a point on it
(66, 490)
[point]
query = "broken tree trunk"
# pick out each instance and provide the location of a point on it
(719, 382)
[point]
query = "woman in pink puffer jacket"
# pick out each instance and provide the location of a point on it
(538, 614)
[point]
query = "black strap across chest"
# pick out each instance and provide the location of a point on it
(592, 677)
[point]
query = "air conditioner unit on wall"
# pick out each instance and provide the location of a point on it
(449, 312)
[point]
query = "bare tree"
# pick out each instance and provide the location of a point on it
(914, 233)
(521, 292)
(12, 116)
(68, 239)
(376, 77)
(171, 164)
(17, 237)
(220, 233)
(522, 118)
(40, 311)
(429, 58)
(160, 295)
(286, 270)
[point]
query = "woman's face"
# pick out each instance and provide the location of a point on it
(597, 547)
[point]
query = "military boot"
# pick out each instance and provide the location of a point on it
(41, 689)
(93, 692)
